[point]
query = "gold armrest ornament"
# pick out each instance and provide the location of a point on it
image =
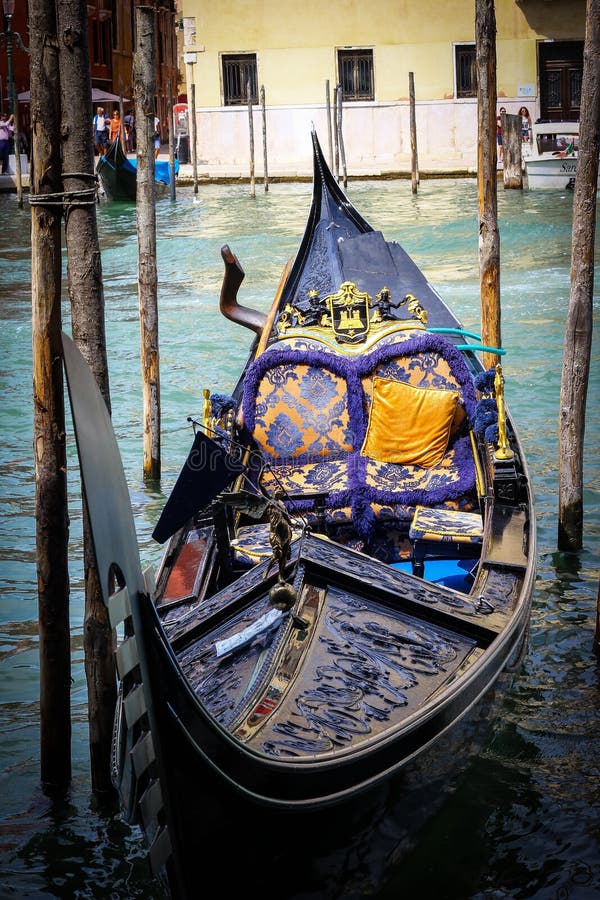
(414, 307)
(206, 410)
(503, 451)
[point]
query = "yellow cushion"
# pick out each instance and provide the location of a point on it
(407, 424)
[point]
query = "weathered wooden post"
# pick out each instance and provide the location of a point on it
(143, 90)
(122, 127)
(414, 165)
(328, 114)
(578, 329)
(487, 178)
(171, 143)
(51, 516)
(340, 98)
(86, 294)
(251, 137)
(336, 158)
(511, 144)
(264, 137)
(17, 142)
(192, 114)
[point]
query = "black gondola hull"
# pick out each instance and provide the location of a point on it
(299, 688)
(336, 829)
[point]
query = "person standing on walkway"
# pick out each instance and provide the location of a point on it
(115, 126)
(525, 125)
(6, 130)
(100, 131)
(499, 132)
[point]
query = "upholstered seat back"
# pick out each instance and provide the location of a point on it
(301, 411)
(310, 413)
(299, 405)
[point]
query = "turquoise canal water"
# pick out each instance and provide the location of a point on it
(522, 821)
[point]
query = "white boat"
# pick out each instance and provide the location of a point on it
(553, 161)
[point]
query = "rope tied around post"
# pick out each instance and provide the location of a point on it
(69, 199)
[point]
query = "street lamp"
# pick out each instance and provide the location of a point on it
(190, 59)
(9, 35)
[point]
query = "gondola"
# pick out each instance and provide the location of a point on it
(118, 174)
(346, 584)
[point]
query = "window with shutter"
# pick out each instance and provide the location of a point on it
(239, 71)
(355, 68)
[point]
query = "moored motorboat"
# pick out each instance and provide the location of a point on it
(118, 174)
(347, 580)
(552, 163)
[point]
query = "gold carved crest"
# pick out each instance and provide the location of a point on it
(349, 312)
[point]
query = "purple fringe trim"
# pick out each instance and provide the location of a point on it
(433, 343)
(353, 369)
(358, 495)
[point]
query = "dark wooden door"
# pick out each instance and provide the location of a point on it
(561, 72)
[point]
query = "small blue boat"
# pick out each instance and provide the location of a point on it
(118, 174)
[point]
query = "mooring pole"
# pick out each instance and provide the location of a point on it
(192, 115)
(49, 443)
(340, 97)
(17, 142)
(328, 114)
(578, 328)
(264, 137)
(414, 166)
(86, 293)
(10, 37)
(144, 89)
(251, 137)
(512, 172)
(336, 160)
(122, 128)
(171, 142)
(487, 178)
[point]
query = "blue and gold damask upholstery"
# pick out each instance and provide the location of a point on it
(325, 475)
(296, 406)
(301, 411)
(444, 532)
(308, 410)
(441, 525)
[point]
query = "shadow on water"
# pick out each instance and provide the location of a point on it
(520, 820)
(80, 851)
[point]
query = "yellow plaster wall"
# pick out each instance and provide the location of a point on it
(431, 65)
(517, 61)
(296, 42)
(296, 46)
(292, 75)
(284, 23)
(206, 75)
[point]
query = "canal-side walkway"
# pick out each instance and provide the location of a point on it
(429, 167)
